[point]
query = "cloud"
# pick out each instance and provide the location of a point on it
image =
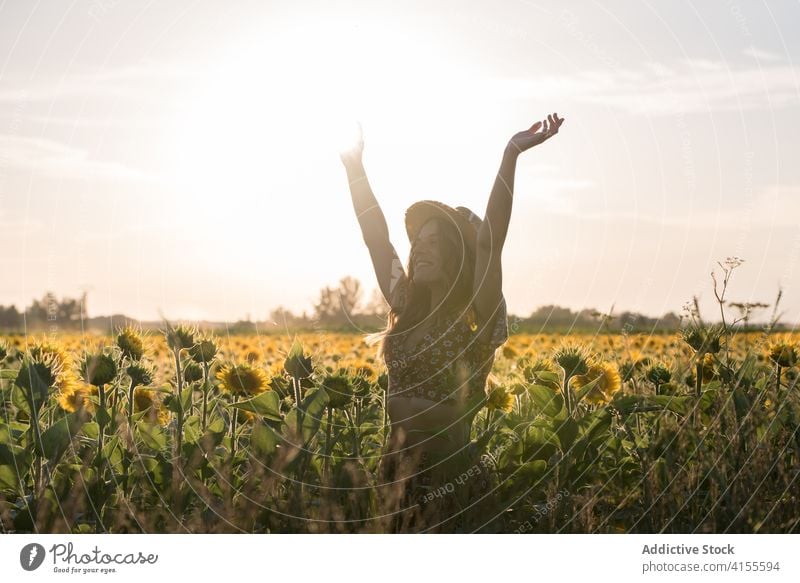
(684, 86)
(53, 158)
(760, 54)
(147, 82)
(775, 206)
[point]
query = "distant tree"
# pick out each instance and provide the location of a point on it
(337, 305)
(376, 306)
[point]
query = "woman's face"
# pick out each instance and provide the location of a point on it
(426, 254)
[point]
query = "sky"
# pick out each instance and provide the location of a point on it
(182, 157)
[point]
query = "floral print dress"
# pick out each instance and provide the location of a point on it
(449, 364)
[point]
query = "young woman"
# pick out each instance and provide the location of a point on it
(447, 314)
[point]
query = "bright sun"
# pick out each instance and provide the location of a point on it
(294, 99)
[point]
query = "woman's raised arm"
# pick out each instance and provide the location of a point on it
(374, 230)
(487, 288)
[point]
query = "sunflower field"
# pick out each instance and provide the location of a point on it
(179, 430)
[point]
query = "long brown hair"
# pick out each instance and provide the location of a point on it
(459, 268)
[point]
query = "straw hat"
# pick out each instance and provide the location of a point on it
(461, 217)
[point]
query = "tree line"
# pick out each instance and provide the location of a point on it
(342, 307)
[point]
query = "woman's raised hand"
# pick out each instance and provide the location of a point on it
(535, 135)
(351, 151)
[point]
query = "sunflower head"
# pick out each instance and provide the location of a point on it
(702, 339)
(130, 342)
(573, 358)
(609, 381)
(339, 389)
(658, 374)
(498, 397)
(37, 375)
(181, 337)
(242, 379)
(143, 399)
(98, 369)
(204, 350)
(297, 365)
(54, 352)
(783, 354)
(365, 370)
(627, 370)
(140, 374)
(192, 372)
(3, 350)
(77, 398)
(537, 366)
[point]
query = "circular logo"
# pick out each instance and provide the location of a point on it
(31, 556)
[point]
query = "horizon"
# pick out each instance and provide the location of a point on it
(155, 156)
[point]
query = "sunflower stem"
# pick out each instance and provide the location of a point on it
(179, 425)
(233, 429)
(205, 396)
(698, 387)
(567, 394)
(326, 465)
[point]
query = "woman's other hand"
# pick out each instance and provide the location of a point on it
(535, 135)
(351, 153)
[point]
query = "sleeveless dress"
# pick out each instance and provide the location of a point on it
(450, 364)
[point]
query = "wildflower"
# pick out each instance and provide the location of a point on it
(609, 383)
(499, 398)
(242, 379)
(130, 343)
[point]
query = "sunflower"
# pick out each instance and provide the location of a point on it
(192, 372)
(499, 398)
(130, 343)
(77, 398)
(609, 383)
(701, 338)
(204, 350)
(572, 358)
(98, 369)
(782, 353)
(140, 374)
(339, 390)
(54, 352)
(180, 337)
(143, 399)
(658, 374)
(243, 379)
